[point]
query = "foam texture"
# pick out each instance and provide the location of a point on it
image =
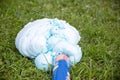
(44, 39)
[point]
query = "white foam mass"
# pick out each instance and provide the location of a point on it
(45, 38)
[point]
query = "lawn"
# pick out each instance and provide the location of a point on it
(98, 22)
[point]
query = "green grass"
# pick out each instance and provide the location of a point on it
(98, 22)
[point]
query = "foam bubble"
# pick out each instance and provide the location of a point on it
(43, 39)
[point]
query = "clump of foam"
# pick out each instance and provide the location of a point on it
(44, 39)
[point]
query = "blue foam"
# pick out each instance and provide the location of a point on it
(43, 39)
